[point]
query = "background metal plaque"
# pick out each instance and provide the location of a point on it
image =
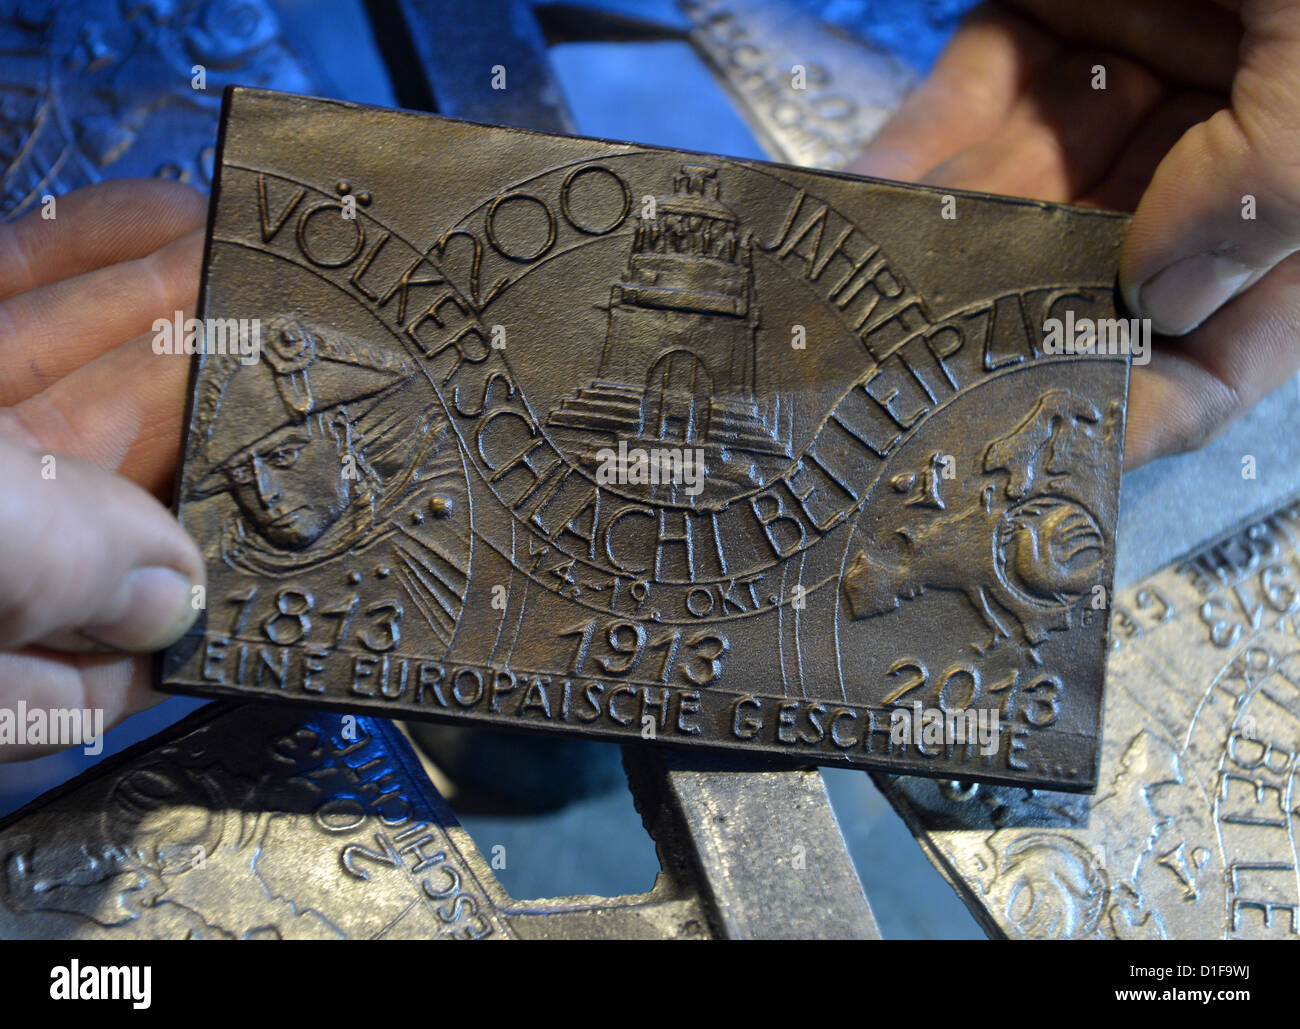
(267, 822)
(404, 500)
(88, 90)
(255, 822)
(825, 117)
(1192, 832)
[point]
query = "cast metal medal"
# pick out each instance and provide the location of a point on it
(574, 435)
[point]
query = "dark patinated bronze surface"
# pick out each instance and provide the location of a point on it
(1192, 834)
(458, 479)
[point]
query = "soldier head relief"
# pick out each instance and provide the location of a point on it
(296, 483)
(294, 460)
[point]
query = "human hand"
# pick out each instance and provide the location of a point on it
(1200, 111)
(94, 571)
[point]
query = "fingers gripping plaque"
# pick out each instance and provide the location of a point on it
(583, 436)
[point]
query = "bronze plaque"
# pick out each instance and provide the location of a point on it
(586, 436)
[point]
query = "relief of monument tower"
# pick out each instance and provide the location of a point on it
(678, 366)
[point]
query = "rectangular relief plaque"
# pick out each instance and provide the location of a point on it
(585, 436)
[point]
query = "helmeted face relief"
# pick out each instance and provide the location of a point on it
(293, 485)
(287, 449)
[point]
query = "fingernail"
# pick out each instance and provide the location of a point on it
(1182, 296)
(152, 609)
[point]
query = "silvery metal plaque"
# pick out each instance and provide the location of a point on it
(813, 94)
(264, 821)
(585, 436)
(253, 822)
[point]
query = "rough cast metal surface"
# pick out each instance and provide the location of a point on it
(406, 501)
(822, 116)
(108, 90)
(262, 822)
(252, 822)
(1192, 833)
(458, 49)
(762, 843)
(1206, 487)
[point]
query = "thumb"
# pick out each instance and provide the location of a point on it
(1223, 207)
(88, 558)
